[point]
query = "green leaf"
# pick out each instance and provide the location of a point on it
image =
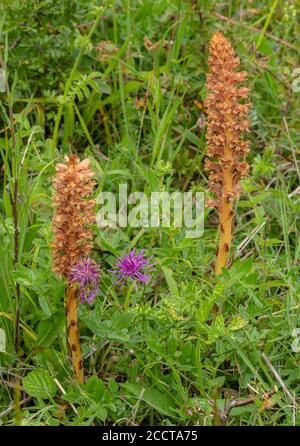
(170, 281)
(159, 401)
(237, 323)
(187, 354)
(219, 323)
(113, 386)
(2, 341)
(95, 387)
(129, 87)
(68, 124)
(172, 345)
(246, 266)
(40, 384)
(156, 346)
(106, 246)
(103, 86)
(50, 328)
(96, 411)
(44, 306)
(72, 397)
(101, 413)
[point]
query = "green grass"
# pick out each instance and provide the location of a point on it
(152, 355)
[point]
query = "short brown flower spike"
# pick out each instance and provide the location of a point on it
(227, 121)
(74, 213)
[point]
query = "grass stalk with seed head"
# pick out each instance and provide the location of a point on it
(72, 238)
(227, 121)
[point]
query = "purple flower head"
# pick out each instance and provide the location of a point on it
(133, 266)
(86, 274)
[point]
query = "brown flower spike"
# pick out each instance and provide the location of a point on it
(72, 237)
(227, 121)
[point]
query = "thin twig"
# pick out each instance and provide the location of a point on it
(64, 392)
(11, 384)
(11, 407)
(255, 30)
(248, 239)
(278, 378)
(224, 413)
(292, 147)
(294, 192)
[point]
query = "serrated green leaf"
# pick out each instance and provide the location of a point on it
(39, 383)
(95, 387)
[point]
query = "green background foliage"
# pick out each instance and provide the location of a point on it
(153, 354)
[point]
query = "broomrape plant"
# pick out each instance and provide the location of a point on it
(73, 242)
(227, 150)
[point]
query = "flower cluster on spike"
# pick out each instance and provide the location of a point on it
(227, 121)
(73, 214)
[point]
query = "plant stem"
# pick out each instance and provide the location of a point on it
(73, 335)
(226, 214)
(15, 197)
(16, 258)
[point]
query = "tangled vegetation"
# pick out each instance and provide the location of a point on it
(167, 337)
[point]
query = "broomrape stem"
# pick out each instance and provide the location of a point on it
(73, 335)
(226, 217)
(226, 222)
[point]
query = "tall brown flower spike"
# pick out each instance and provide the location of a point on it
(72, 237)
(227, 121)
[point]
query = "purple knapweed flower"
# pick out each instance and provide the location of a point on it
(133, 266)
(86, 274)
